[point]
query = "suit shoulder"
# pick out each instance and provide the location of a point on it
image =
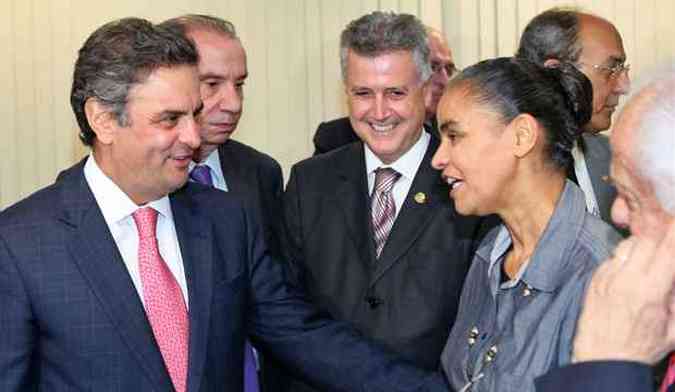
(327, 162)
(249, 154)
(38, 207)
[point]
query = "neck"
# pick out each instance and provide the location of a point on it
(203, 152)
(526, 217)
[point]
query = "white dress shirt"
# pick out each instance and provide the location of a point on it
(213, 162)
(117, 209)
(407, 165)
(584, 179)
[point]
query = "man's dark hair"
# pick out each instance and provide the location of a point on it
(552, 34)
(118, 56)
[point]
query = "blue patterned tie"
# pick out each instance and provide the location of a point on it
(202, 175)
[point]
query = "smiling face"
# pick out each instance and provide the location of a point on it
(222, 73)
(149, 157)
(474, 153)
(386, 102)
(602, 49)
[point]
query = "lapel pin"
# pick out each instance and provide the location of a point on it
(605, 178)
(420, 198)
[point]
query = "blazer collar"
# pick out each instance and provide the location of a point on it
(94, 252)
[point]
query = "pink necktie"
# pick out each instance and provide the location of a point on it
(164, 303)
(382, 207)
(669, 380)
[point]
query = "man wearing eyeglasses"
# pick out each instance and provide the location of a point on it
(339, 132)
(594, 45)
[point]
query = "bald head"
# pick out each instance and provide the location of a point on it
(589, 42)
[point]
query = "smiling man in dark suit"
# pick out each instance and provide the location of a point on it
(122, 276)
(339, 132)
(372, 234)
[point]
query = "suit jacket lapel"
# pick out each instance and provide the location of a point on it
(415, 213)
(597, 158)
(233, 171)
(196, 244)
(352, 193)
(94, 251)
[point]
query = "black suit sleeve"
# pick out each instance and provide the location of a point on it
(273, 186)
(333, 134)
(292, 248)
(600, 376)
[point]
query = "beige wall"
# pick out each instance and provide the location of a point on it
(294, 78)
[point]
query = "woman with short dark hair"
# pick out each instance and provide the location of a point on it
(507, 128)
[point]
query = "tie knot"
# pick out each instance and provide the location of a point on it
(202, 175)
(385, 177)
(146, 222)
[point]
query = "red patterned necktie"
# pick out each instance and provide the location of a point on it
(383, 209)
(669, 380)
(164, 303)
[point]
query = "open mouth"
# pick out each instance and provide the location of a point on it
(453, 182)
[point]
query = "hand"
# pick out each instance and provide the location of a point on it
(629, 307)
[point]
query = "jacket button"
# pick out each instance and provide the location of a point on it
(373, 302)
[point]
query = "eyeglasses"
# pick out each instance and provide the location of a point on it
(450, 68)
(612, 72)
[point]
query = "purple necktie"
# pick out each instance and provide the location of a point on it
(202, 175)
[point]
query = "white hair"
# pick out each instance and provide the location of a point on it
(656, 144)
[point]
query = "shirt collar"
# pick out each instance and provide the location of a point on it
(115, 205)
(213, 162)
(551, 255)
(407, 164)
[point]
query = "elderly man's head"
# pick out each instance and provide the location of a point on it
(222, 74)
(643, 161)
(135, 95)
(386, 69)
(442, 68)
(592, 44)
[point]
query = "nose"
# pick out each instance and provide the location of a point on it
(622, 83)
(381, 111)
(620, 213)
(442, 155)
(190, 133)
(231, 99)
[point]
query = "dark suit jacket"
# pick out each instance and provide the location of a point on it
(255, 177)
(407, 299)
(598, 156)
(334, 134)
(71, 319)
(597, 377)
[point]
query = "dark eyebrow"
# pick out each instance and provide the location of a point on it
(445, 125)
(613, 60)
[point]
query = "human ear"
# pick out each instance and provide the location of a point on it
(101, 120)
